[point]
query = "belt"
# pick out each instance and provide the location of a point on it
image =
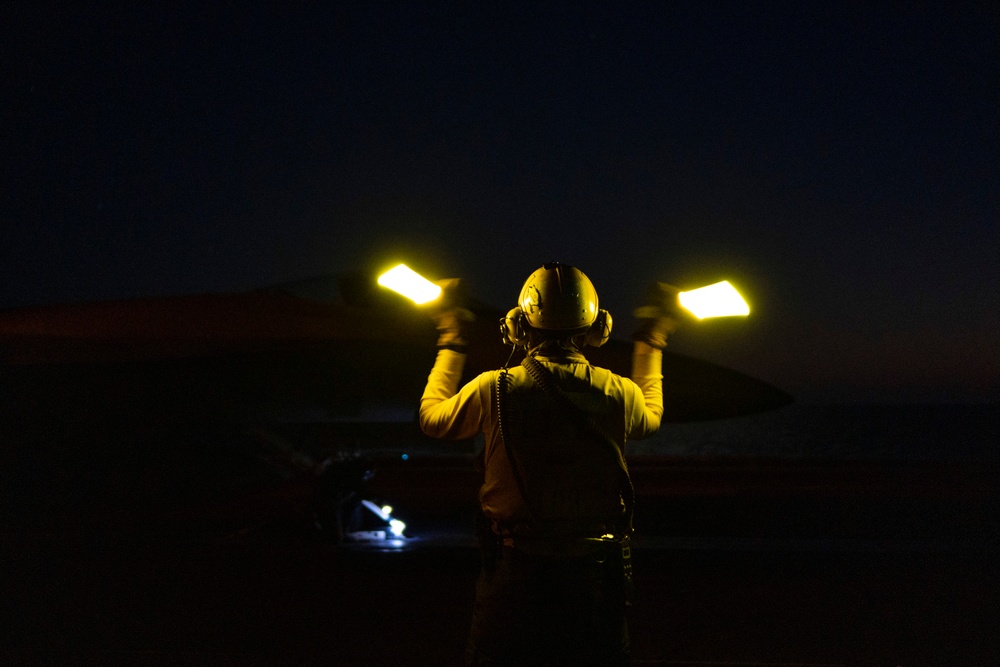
(558, 546)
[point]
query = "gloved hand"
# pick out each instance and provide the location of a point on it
(450, 318)
(659, 316)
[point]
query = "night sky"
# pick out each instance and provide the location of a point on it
(838, 162)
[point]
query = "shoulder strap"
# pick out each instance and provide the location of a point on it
(543, 378)
(504, 437)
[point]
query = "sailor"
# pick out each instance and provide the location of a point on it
(556, 499)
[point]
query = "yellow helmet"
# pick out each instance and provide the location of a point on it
(558, 298)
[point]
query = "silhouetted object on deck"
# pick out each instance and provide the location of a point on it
(340, 484)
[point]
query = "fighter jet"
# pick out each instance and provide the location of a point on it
(217, 395)
(337, 349)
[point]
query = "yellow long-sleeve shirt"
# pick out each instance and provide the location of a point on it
(570, 474)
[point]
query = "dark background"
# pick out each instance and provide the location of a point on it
(837, 161)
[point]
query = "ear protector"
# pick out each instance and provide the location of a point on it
(600, 331)
(513, 328)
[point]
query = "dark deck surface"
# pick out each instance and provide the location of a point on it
(820, 572)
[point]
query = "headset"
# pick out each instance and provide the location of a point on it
(514, 328)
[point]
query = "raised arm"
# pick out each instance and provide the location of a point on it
(658, 318)
(446, 412)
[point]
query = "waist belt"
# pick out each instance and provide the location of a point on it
(548, 546)
(530, 539)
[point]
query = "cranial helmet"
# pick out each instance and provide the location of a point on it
(558, 299)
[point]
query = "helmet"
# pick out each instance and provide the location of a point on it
(558, 298)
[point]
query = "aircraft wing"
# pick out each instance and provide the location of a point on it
(274, 355)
